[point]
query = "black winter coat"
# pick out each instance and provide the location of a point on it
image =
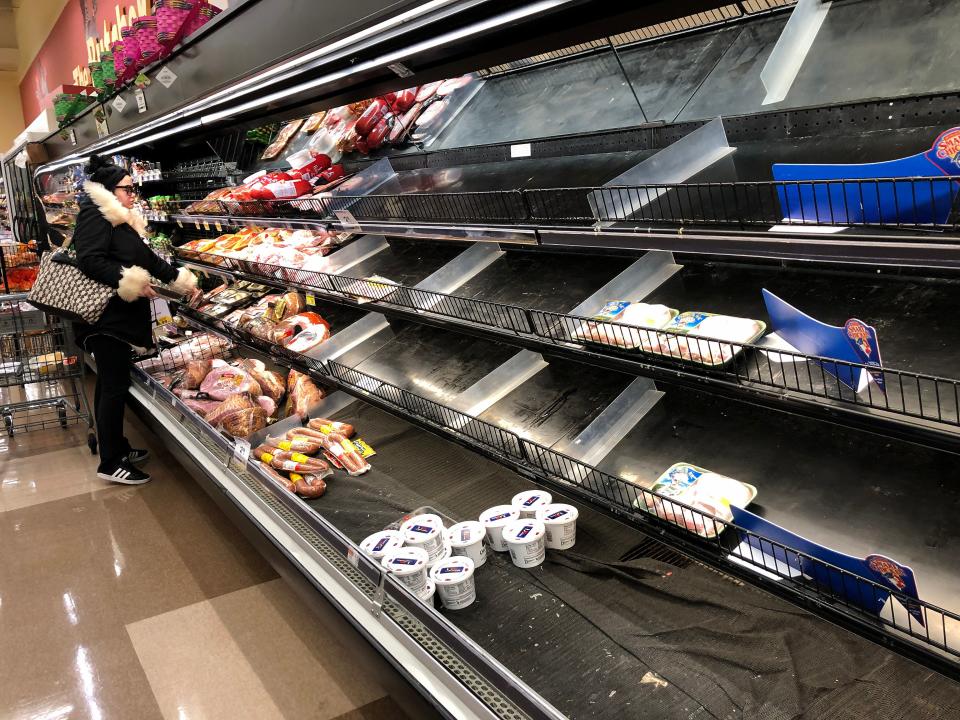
(106, 253)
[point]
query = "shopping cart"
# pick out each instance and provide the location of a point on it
(42, 373)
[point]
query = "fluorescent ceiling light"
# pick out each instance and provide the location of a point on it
(157, 136)
(383, 60)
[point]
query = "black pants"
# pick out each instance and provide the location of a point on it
(114, 360)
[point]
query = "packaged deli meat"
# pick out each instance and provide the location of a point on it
(283, 137)
(644, 316)
(708, 493)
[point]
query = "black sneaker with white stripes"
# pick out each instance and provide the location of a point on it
(124, 473)
(137, 456)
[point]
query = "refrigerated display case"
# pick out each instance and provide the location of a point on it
(757, 533)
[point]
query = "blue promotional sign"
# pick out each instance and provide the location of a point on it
(855, 342)
(908, 190)
(884, 571)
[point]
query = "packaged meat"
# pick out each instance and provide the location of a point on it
(222, 382)
(704, 338)
(194, 372)
(378, 134)
(287, 305)
(295, 443)
(302, 394)
(314, 122)
(427, 91)
(709, 494)
(283, 137)
(210, 205)
(371, 116)
(268, 404)
(341, 449)
(272, 383)
(449, 86)
(201, 407)
(240, 401)
(243, 423)
(430, 115)
(310, 485)
(326, 426)
(642, 315)
(277, 477)
(403, 125)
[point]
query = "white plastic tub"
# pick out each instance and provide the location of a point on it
(560, 522)
(454, 580)
(380, 543)
(447, 552)
(526, 542)
(409, 565)
(529, 501)
(426, 532)
(427, 595)
(466, 540)
(494, 520)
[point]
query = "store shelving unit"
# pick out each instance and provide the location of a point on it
(504, 241)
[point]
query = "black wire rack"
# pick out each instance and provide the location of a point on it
(748, 364)
(925, 203)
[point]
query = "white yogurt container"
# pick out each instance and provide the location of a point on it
(560, 522)
(409, 565)
(379, 544)
(494, 520)
(525, 540)
(447, 552)
(425, 532)
(529, 501)
(454, 579)
(427, 595)
(466, 539)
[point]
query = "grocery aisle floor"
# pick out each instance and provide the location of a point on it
(146, 602)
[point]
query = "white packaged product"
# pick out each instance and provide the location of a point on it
(529, 501)
(454, 579)
(466, 540)
(525, 539)
(379, 544)
(447, 552)
(426, 532)
(494, 520)
(560, 522)
(427, 595)
(409, 564)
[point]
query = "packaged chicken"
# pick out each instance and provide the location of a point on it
(601, 329)
(705, 494)
(704, 338)
(314, 122)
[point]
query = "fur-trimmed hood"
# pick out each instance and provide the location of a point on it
(113, 210)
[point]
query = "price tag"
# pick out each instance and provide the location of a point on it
(401, 70)
(218, 226)
(119, 103)
(73, 137)
(167, 77)
(522, 150)
(206, 226)
(347, 220)
(311, 300)
(179, 223)
(196, 224)
(173, 400)
(353, 557)
(241, 453)
(141, 100)
(102, 129)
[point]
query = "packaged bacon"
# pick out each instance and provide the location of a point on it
(283, 137)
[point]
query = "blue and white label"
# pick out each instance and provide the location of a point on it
(557, 515)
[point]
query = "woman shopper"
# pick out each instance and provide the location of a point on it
(108, 240)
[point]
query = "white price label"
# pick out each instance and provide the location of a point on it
(353, 557)
(167, 77)
(173, 400)
(206, 226)
(102, 129)
(401, 70)
(241, 453)
(73, 137)
(119, 103)
(346, 219)
(141, 100)
(218, 226)
(522, 150)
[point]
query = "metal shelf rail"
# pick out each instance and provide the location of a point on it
(908, 396)
(925, 204)
(720, 542)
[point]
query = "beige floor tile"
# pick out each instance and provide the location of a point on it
(53, 475)
(234, 657)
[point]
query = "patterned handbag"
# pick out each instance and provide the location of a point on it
(62, 289)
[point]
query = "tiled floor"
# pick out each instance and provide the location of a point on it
(120, 602)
